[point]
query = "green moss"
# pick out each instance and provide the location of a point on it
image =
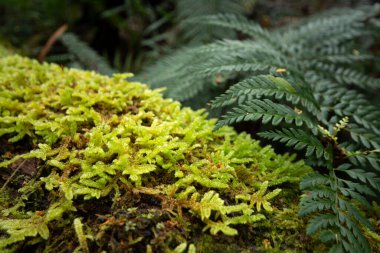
(131, 171)
(4, 50)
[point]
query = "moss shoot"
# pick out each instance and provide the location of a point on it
(91, 163)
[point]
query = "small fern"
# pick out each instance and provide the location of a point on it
(314, 93)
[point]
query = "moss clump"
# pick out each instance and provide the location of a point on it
(94, 163)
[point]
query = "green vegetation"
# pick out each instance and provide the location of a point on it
(93, 163)
(111, 164)
(312, 96)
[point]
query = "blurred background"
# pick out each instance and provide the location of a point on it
(127, 36)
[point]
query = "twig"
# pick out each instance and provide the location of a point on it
(53, 38)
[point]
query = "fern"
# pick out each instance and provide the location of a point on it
(266, 85)
(193, 9)
(267, 111)
(298, 139)
(86, 57)
(338, 220)
(317, 96)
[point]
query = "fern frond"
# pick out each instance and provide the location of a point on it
(336, 58)
(266, 110)
(363, 137)
(364, 160)
(344, 75)
(331, 28)
(353, 212)
(158, 75)
(361, 175)
(195, 9)
(309, 206)
(358, 187)
(346, 191)
(236, 48)
(266, 85)
(231, 65)
(234, 22)
(352, 238)
(315, 179)
(349, 103)
(321, 222)
(85, 54)
(336, 215)
(188, 89)
(298, 139)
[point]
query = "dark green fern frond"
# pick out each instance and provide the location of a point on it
(351, 103)
(363, 190)
(298, 139)
(337, 58)
(158, 75)
(188, 89)
(236, 65)
(363, 137)
(193, 9)
(365, 160)
(355, 105)
(337, 220)
(368, 178)
(344, 75)
(332, 28)
(314, 179)
(267, 111)
(267, 85)
(237, 23)
(310, 206)
(86, 56)
(321, 222)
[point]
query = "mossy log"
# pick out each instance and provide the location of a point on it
(91, 163)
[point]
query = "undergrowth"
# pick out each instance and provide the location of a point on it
(304, 83)
(92, 163)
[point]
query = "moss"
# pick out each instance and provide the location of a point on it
(5, 49)
(94, 163)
